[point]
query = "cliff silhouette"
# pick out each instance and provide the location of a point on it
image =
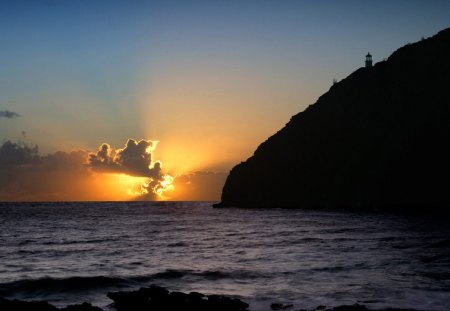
(379, 139)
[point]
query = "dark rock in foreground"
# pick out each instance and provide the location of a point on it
(10, 305)
(19, 305)
(149, 298)
(378, 139)
(156, 298)
(358, 307)
(279, 306)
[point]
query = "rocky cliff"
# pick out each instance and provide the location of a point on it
(380, 138)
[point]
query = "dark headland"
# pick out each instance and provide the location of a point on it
(378, 139)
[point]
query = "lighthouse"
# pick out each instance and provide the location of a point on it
(368, 60)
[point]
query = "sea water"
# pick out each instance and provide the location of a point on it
(73, 252)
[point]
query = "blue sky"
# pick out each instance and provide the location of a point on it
(197, 75)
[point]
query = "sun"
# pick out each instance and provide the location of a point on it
(136, 187)
(165, 185)
(131, 184)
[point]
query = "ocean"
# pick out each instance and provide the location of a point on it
(74, 252)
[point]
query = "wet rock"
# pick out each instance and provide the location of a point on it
(157, 298)
(16, 305)
(20, 305)
(222, 303)
(279, 306)
(358, 307)
(154, 291)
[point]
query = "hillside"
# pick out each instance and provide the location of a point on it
(378, 139)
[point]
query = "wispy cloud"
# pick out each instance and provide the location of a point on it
(8, 114)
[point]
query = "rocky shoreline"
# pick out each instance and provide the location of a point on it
(158, 298)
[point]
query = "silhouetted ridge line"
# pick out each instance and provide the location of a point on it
(377, 139)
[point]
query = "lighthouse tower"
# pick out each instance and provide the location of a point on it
(368, 60)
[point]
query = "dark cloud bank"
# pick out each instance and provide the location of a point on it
(27, 176)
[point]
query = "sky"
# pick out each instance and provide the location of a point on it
(203, 82)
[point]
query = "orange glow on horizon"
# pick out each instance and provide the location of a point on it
(115, 187)
(134, 187)
(131, 185)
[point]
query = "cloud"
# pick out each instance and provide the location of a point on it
(27, 176)
(8, 114)
(17, 153)
(13, 155)
(134, 159)
(196, 186)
